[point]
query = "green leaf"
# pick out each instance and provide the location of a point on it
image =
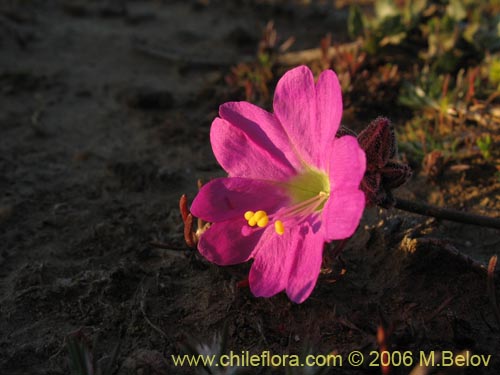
(414, 10)
(385, 9)
(417, 7)
(355, 24)
(484, 144)
(448, 61)
(470, 31)
(456, 10)
(494, 72)
(393, 39)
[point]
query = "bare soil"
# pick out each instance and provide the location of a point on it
(104, 119)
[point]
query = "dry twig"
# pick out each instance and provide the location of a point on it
(447, 214)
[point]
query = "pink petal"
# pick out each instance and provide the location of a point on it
(347, 163)
(244, 149)
(261, 126)
(342, 213)
(273, 260)
(305, 270)
(295, 107)
(224, 245)
(309, 113)
(329, 109)
(228, 198)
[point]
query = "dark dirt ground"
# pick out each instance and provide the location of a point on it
(97, 142)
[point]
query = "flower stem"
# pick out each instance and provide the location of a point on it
(447, 214)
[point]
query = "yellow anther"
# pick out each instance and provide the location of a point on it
(259, 218)
(259, 215)
(279, 227)
(249, 215)
(263, 222)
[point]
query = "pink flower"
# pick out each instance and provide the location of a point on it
(292, 185)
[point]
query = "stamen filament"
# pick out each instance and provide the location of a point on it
(296, 209)
(297, 212)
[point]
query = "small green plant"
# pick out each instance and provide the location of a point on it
(484, 144)
(494, 72)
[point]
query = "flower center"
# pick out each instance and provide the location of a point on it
(309, 184)
(308, 192)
